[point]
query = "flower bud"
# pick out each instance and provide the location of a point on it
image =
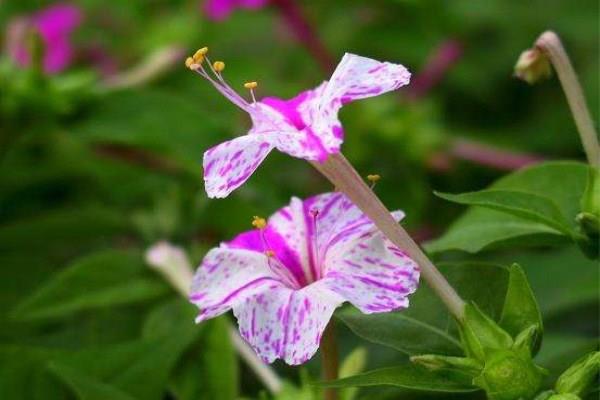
(533, 66)
(508, 375)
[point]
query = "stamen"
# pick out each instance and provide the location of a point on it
(251, 86)
(219, 66)
(258, 222)
(373, 178)
(189, 61)
(270, 253)
(199, 55)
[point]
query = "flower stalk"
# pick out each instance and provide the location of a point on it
(329, 359)
(338, 170)
(549, 43)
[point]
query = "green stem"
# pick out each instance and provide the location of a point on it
(549, 43)
(345, 178)
(330, 359)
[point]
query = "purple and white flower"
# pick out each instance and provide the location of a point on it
(306, 126)
(284, 280)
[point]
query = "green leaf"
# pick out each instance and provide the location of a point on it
(140, 368)
(425, 326)
(169, 126)
(23, 374)
(104, 279)
(520, 309)
(561, 182)
(571, 287)
(212, 358)
(529, 206)
(87, 388)
(65, 229)
(407, 376)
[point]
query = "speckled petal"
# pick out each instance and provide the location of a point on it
(228, 165)
(354, 78)
(287, 324)
(227, 277)
(371, 273)
(295, 116)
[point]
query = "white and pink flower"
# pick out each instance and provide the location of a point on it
(284, 281)
(306, 126)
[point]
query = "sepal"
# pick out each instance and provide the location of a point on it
(577, 379)
(527, 340)
(480, 334)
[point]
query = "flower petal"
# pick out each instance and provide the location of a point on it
(227, 277)
(229, 164)
(354, 78)
(371, 273)
(287, 324)
(296, 117)
(359, 77)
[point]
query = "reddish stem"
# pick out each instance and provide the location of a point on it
(305, 34)
(483, 154)
(439, 62)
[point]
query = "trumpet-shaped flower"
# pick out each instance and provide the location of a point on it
(218, 10)
(306, 126)
(54, 24)
(284, 279)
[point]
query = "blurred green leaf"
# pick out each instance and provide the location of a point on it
(87, 388)
(140, 369)
(561, 182)
(23, 374)
(104, 279)
(520, 309)
(407, 376)
(66, 229)
(211, 368)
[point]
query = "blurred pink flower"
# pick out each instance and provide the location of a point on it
(218, 10)
(55, 25)
(285, 279)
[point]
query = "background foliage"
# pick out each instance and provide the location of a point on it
(91, 177)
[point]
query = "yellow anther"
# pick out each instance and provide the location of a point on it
(189, 61)
(270, 253)
(219, 66)
(258, 222)
(199, 55)
(373, 178)
(251, 85)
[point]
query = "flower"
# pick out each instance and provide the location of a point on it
(54, 24)
(218, 10)
(306, 126)
(284, 279)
